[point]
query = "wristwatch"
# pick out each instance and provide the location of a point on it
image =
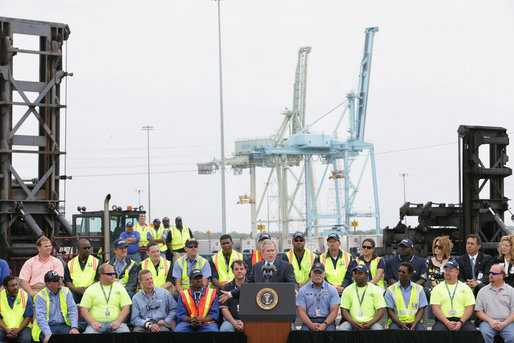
(325, 323)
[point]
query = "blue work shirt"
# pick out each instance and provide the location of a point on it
(55, 317)
(182, 310)
(310, 297)
(4, 270)
(132, 247)
(177, 270)
(420, 268)
(154, 307)
(29, 309)
(406, 297)
(119, 266)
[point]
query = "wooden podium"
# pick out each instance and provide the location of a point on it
(267, 310)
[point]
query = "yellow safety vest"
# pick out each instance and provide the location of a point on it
(143, 231)
(123, 281)
(302, 275)
(13, 317)
(63, 293)
(204, 305)
(86, 277)
(225, 273)
(336, 276)
(184, 281)
(373, 267)
(178, 239)
(405, 314)
(159, 279)
(158, 235)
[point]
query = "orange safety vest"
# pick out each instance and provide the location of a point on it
(256, 257)
(204, 305)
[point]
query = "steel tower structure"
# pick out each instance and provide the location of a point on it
(29, 205)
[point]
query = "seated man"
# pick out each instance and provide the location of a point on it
(184, 265)
(362, 303)
(495, 307)
(16, 311)
(105, 304)
(452, 302)
(317, 302)
(158, 266)
(81, 271)
(197, 309)
(153, 308)
(126, 269)
(56, 311)
(402, 316)
(230, 308)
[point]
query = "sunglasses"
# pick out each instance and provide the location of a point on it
(298, 240)
(494, 273)
(369, 247)
(192, 246)
(438, 247)
(109, 274)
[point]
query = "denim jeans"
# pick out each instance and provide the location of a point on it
(488, 333)
(23, 337)
(107, 329)
(346, 326)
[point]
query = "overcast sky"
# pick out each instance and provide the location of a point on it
(435, 66)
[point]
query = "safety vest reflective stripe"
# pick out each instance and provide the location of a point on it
(13, 317)
(123, 281)
(335, 276)
(204, 305)
(157, 234)
(225, 273)
(159, 279)
(63, 293)
(86, 277)
(404, 314)
(373, 267)
(184, 281)
(256, 257)
(302, 275)
(143, 230)
(178, 239)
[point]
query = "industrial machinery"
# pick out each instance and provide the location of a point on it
(482, 201)
(30, 132)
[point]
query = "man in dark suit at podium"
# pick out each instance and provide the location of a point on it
(474, 265)
(272, 269)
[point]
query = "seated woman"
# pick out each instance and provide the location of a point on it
(506, 258)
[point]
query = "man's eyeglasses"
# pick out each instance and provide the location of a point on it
(369, 247)
(298, 240)
(494, 273)
(109, 274)
(192, 246)
(438, 247)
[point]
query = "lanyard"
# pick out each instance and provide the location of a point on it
(106, 297)
(361, 299)
(317, 295)
(455, 290)
(148, 305)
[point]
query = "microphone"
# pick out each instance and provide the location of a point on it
(267, 272)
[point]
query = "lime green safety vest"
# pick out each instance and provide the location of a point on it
(13, 317)
(405, 314)
(373, 266)
(123, 281)
(225, 273)
(159, 279)
(336, 276)
(63, 293)
(86, 277)
(178, 239)
(184, 281)
(143, 231)
(302, 275)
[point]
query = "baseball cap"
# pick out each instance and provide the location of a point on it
(407, 242)
(156, 220)
(129, 224)
(195, 273)
(298, 234)
(452, 265)
(52, 276)
(264, 236)
(120, 243)
(334, 236)
(361, 268)
(318, 267)
(191, 240)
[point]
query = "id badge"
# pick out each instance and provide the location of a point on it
(415, 306)
(318, 312)
(107, 314)
(452, 312)
(361, 314)
(480, 275)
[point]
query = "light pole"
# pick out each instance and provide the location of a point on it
(148, 129)
(403, 175)
(139, 191)
(222, 129)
